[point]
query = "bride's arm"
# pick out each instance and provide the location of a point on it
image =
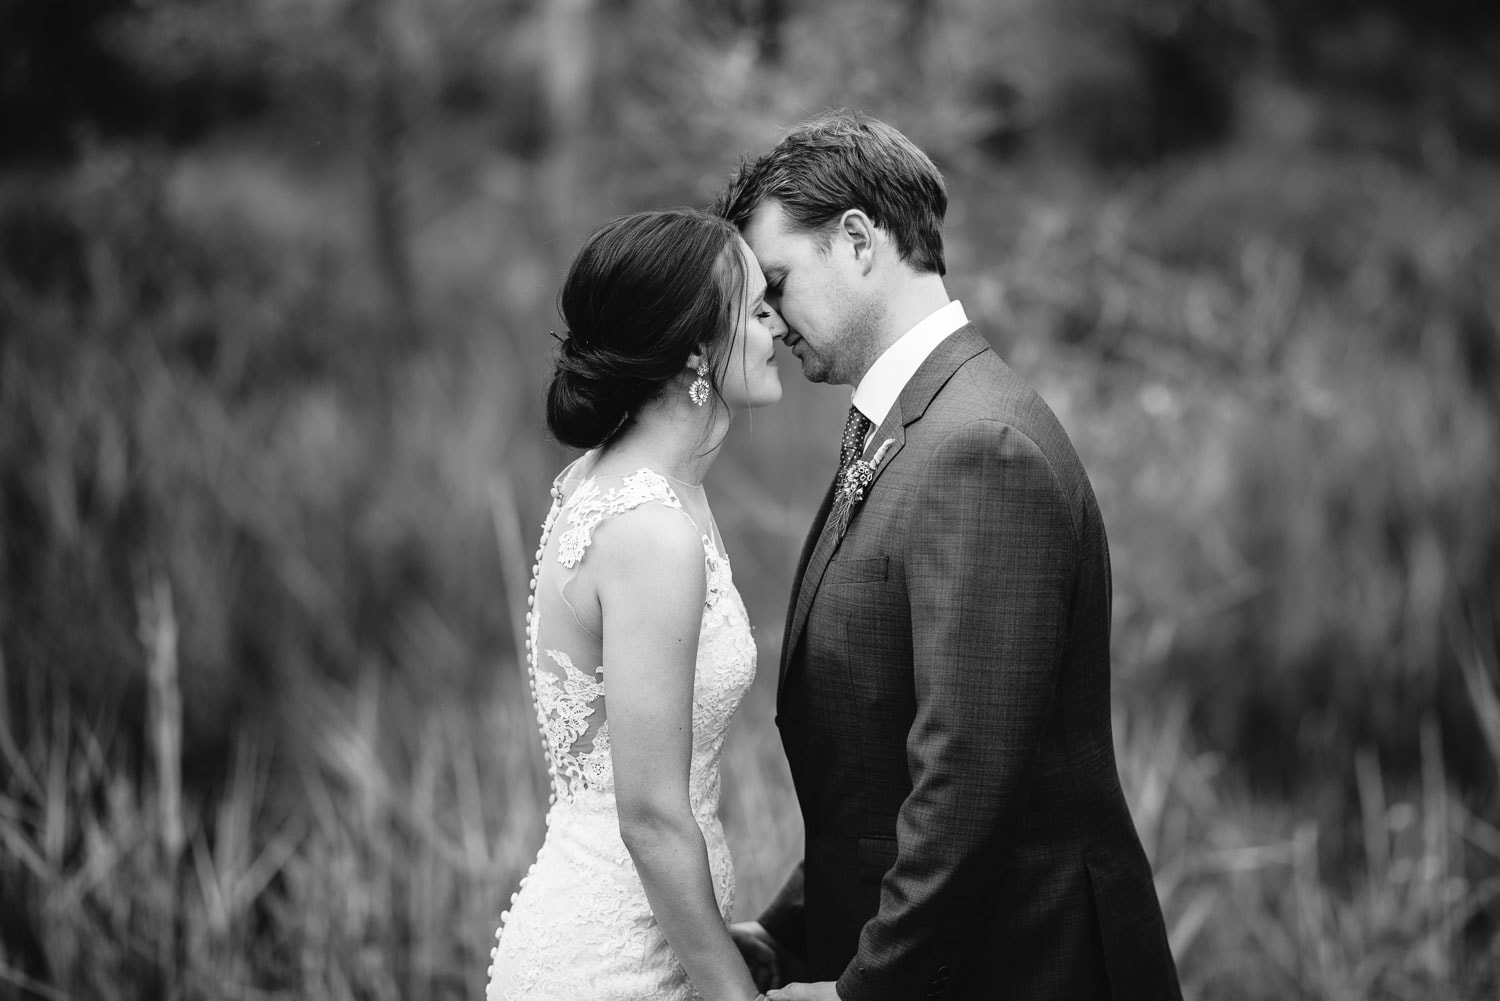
(651, 588)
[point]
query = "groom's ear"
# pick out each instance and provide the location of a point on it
(858, 234)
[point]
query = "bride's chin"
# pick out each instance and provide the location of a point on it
(772, 395)
(756, 401)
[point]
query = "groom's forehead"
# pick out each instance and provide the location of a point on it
(770, 233)
(769, 221)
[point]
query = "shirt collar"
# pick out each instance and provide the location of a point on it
(877, 392)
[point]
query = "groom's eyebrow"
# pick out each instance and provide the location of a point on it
(775, 275)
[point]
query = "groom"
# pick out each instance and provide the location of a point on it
(944, 692)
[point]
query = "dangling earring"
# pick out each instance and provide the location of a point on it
(698, 391)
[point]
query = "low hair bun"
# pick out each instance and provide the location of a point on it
(584, 410)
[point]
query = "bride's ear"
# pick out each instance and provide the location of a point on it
(696, 359)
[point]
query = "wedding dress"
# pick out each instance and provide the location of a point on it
(580, 926)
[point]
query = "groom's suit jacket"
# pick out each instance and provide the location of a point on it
(944, 705)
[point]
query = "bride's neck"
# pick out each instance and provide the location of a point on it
(677, 441)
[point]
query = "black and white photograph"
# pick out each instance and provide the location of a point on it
(749, 500)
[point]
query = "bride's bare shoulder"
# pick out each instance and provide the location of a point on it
(647, 541)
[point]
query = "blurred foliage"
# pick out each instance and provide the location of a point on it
(72, 67)
(275, 281)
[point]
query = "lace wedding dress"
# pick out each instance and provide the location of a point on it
(580, 926)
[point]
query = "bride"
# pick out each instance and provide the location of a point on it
(638, 644)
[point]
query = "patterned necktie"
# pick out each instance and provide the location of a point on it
(852, 445)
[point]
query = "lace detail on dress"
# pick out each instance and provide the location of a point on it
(564, 705)
(580, 924)
(589, 507)
(595, 765)
(716, 568)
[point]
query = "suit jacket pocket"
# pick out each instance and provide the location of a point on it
(873, 568)
(876, 854)
(1127, 919)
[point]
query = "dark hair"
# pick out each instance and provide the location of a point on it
(643, 293)
(843, 160)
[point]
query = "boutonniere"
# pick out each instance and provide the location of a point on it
(853, 481)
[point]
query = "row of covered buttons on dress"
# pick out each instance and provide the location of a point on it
(531, 639)
(532, 627)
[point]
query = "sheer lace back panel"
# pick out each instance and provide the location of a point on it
(566, 655)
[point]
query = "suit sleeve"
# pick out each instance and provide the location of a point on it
(990, 563)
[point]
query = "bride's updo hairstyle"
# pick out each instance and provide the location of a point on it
(644, 292)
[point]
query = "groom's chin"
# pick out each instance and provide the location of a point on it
(812, 371)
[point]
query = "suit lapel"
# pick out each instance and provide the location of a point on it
(808, 545)
(933, 374)
(826, 541)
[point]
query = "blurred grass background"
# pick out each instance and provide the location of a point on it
(276, 278)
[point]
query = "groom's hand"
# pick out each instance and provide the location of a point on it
(760, 952)
(824, 991)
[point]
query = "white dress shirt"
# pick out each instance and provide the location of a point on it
(877, 392)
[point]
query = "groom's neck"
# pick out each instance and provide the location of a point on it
(913, 298)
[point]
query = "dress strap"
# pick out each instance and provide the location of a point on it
(590, 506)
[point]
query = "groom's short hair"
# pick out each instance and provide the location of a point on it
(843, 160)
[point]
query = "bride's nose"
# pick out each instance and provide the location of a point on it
(777, 324)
